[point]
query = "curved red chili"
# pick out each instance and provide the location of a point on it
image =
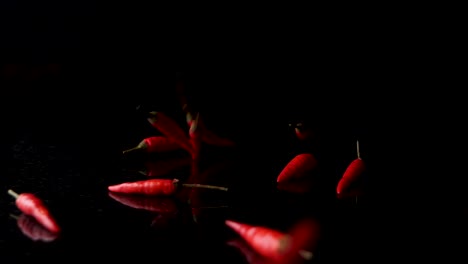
(298, 167)
(352, 173)
(32, 205)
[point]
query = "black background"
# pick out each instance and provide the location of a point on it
(376, 82)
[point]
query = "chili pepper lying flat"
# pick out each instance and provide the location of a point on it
(352, 173)
(32, 205)
(162, 167)
(156, 144)
(165, 187)
(33, 229)
(298, 167)
(170, 128)
(161, 205)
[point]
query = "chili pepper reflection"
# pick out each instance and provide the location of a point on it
(33, 229)
(153, 204)
(162, 167)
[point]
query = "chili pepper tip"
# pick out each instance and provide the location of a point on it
(12, 193)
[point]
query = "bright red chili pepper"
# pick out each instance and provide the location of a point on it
(295, 246)
(267, 242)
(147, 187)
(298, 167)
(33, 229)
(156, 187)
(352, 173)
(156, 144)
(162, 167)
(161, 205)
(32, 205)
(170, 128)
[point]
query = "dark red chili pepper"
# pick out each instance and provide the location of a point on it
(162, 167)
(156, 144)
(279, 247)
(298, 167)
(161, 205)
(33, 229)
(156, 187)
(170, 128)
(32, 205)
(352, 173)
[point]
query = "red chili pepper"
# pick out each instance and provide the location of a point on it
(267, 242)
(33, 229)
(170, 128)
(156, 187)
(156, 144)
(298, 167)
(160, 205)
(354, 170)
(162, 167)
(30, 204)
(277, 247)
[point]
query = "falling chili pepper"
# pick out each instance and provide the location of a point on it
(267, 242)
(299, 166)
(170, 128)
(352, 173)
(278, 247)
(33, 229)
(30, 204)
(157, 187)
(156, 144)
(162, 167)
(162, 205)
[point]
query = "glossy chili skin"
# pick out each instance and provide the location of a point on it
(267, 242)
(31, 205)
(147, 187)
(355, 169)
(160, 144)
(297, 167)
